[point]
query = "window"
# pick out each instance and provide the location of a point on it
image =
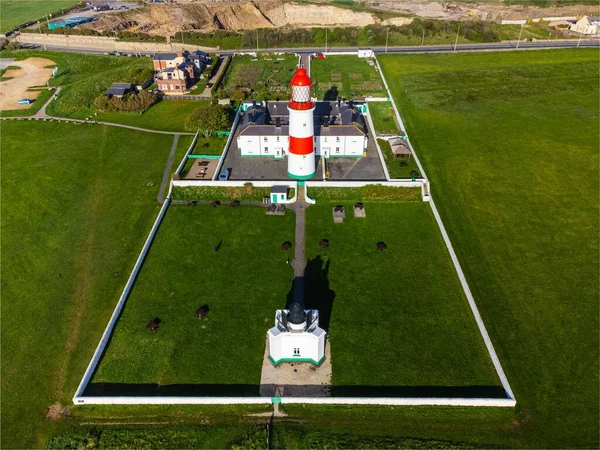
(266, 149)
(277, 138)
(325, 139)
(337, 149)
(337, 139)
(265, 139)
(296, 352)
(177, 87)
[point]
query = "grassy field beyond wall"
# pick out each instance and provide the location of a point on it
(77, 203)
(510, 144)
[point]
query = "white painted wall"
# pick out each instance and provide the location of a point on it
(268, 145)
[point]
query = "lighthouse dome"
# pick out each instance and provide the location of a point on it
(296, 315)
(301, 78)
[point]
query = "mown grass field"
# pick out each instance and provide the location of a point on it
(243, 284)
(398, 317)
(77, 202)
(399, 167)
(268, 75)
(345, 76)
(17, 12)
(166, 115)
(510, 144)
(382, 115)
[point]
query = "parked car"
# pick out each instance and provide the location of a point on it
(224, 175)
(208, 85)
(25, 101)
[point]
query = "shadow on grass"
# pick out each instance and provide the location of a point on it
(249, 390)
(312, 290)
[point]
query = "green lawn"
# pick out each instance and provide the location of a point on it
(345, 76)
(510, 144)
(382, 115)
(76, 207)
(243, 284)
(398, 317)
(166, 115)
(17, 12)
(268, 75)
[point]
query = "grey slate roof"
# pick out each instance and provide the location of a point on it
(120, 89)
(279, 189)
(342, 120)
(165, 56)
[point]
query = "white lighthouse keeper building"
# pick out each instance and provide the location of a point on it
(296, 336)
(301, 157)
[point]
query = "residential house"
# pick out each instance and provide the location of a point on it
(176, 73)
(587, 25)
(339, 130)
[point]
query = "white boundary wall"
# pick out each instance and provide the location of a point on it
(391, 401)
(227, 144)
(371, 126)
(184, 159)
(463, 281)
(229, 183)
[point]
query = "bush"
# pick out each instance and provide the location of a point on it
(248, 193)
(370, 192)
(131, 102)
(208, 120)
(138, 75)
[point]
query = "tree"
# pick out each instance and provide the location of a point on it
(238, 95)
(208, 120)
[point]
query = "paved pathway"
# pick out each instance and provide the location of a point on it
(160, 197)
(299, 261)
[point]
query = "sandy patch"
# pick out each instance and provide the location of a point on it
(295, 379)
(31, 73)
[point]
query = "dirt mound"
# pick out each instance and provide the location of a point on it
(57, 412)
(241, 16)
(303, 15)
(32, 72)
(167, 19)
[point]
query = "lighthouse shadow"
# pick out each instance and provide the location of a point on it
(315, 286)
(331, 94)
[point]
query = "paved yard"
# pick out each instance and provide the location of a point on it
(368, 168)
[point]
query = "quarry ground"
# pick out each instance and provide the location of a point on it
(166, 19)
(32, 72)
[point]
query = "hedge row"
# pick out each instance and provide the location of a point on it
(371, 192)
(248, 193)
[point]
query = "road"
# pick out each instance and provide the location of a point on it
(475, 47)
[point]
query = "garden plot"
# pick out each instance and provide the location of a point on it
(264, 75)
(345, 76)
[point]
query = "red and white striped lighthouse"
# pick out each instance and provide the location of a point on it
(301, 157)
